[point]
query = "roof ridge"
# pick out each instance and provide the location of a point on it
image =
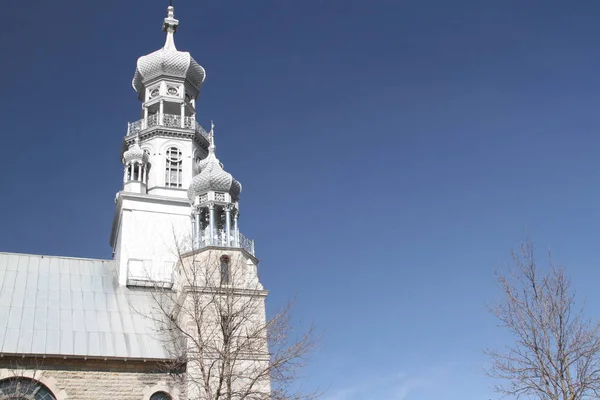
(51, 256)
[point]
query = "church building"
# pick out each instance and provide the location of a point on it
(138, 326)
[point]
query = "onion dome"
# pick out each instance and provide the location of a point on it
(168, 61)
(213, 177)
(135, 153)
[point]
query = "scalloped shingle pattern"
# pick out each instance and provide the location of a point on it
(135, 153)
(213, 177)
(168, 61)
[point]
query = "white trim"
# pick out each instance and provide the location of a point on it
(48, 381)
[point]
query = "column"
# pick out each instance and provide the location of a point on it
(211, 211)
(145, 172)
(139, 172)
(161, 110)
(145, 121)
(228, 209)
(198, 228)
(183, 115)
(236, 230)
(125, 173)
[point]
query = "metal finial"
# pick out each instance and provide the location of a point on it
(211, 134)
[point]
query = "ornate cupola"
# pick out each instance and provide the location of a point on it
(168, 82)
(214, 196)
(135, 161)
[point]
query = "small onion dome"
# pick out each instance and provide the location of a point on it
(213, 177)
(135, 153)
(168, 61)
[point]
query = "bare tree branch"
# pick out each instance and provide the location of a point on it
(556, 350)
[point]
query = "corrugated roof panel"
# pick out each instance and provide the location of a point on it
(120, 343)
(13, 262)
(30, 296)
(107, 347)
(78, 321)
(38, 344)
(27, 318)
(66, 342)
(41, 299)
(128, 326)
(25, 340)
(133, 345)
(65, 282)
(97, 286)
(54, 299)
(21, 280)
(80, 343)
(86, 283)
(111, 302)
(54, 280)
(88, 301)
(66, 320)
(44, 266)
(5, 297)
(53, 342)
(18, 296)
(100, 301)
(116, 324)
(53, 319)
(14, 318)
(103, 321)
(40, 319)
(65, 300)
(10, 340)
(91, 320)
(68, 301)
(93, 344)
(76, 283)
(76, 299)
(34, 265)
(65, 266)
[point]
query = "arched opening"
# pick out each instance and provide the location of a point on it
(20, 388)
(161, 396)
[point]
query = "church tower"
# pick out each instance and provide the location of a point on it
(176, 197)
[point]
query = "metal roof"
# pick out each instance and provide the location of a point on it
(59, 306)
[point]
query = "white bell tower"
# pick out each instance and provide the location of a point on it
(159, 155)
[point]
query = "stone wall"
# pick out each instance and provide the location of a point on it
(71, 379)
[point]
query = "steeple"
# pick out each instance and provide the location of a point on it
(214, 196)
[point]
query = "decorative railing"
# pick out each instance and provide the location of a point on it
(168, 120)
(219, 239)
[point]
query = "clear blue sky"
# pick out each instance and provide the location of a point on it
(391, 152)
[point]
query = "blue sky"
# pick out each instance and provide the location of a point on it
(391, 152)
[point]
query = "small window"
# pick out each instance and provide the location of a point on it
(225, 270)
(161, 396)
(174, 170)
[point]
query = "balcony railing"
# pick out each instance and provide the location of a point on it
(168, 120)
(219, 239)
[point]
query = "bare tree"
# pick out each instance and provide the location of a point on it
(22, 381)
(556, 352)
(214, 323)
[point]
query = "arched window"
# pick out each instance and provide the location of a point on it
(160, 396)
(24, 389)
(225, 270)
(174, 169)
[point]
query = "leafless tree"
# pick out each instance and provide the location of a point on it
(214, 323)
(21, 383)
(556, 349)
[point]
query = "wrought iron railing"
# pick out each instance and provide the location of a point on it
(219, 239)
(168, 120)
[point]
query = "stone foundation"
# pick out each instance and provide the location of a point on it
(76, 379)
